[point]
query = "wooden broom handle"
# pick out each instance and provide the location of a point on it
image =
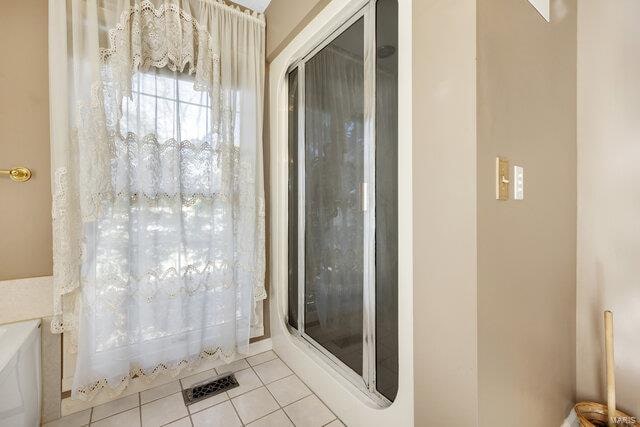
(611, 377)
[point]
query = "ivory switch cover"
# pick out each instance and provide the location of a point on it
(518, 183)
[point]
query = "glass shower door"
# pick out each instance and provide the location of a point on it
(343, 210)
(333, 202)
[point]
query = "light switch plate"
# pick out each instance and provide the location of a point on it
(502, 179)
(518, 183)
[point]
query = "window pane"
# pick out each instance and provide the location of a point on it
(293, 198)
(386, 197)
(334, 166)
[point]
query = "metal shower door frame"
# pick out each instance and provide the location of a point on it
(367, 382)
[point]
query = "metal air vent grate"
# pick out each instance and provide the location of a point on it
(209, 388)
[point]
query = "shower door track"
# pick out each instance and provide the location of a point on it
(366, 382)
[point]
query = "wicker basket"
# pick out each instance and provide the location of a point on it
(591, 414)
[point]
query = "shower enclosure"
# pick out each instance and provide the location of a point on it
(342, 208)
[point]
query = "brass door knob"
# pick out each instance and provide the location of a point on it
(19, 174)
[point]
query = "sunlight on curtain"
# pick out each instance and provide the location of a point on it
(158, 203)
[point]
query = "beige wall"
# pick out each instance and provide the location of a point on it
(25, 213)
(285, 19)
(608, 195)
(494, 314)
(526, 249)
(444, 197)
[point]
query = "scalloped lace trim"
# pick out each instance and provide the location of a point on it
(114, 388)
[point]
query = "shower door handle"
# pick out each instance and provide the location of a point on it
(365, 196)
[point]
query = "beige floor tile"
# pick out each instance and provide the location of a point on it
(289, 389)
(115, 406)
(222, 415)
(261, 358)
(309, 412)
(206, 403)
(130, 418)
(254, 404)
(74, 420)
(198, 378)
(272, 371)
(248, 381)
(275, 419)
(335, 423)
(163, 411)
(238, 365)
(160, 391)
(182, 422)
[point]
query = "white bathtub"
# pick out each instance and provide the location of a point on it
(20, 374)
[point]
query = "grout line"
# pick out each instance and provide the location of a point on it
(256, 374)
(215, 374)
(272, 382)
(114, 414)
(298, 400)
(265, 415)
(326, 406)
(293, 374)
(288, 376)
(169, 422)
(209, 407)
(274, 398)
(230, 399)
(166, 424)
(215, 404)
(287, 415)
(280, 407)
(237, 413)
(159, 385)
(266, 361)
(161, 397)
(258, 388)
(312, 391)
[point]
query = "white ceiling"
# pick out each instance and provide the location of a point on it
(258, 5)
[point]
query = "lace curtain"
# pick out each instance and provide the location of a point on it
(158, 205)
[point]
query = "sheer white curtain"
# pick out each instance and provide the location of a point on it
(158, 185)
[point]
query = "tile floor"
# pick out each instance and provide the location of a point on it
(270, 395)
